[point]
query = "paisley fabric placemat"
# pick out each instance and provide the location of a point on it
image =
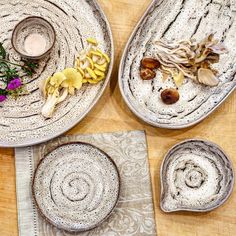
(134, 214)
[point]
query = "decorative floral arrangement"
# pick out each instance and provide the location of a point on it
(12, 74)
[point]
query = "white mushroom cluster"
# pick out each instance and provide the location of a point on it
(190, 59)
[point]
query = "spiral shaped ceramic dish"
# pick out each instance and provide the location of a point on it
(76, 186)
(196, 175)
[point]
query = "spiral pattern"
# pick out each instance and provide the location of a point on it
(76, 186)
(196, 175)
(21, 122)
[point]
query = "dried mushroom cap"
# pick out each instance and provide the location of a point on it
(170, 96)
(207, 77)
(147, 74)
(150, 63)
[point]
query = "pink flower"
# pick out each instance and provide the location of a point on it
(14, 84)
(2, 98)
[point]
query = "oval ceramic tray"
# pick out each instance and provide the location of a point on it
(196, 175)
(21, 123)
(176, 20)
(76, 186)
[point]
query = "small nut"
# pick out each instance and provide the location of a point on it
(147, 74)
(170, 96)
(150, 63)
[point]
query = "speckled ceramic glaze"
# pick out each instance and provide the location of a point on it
(174, 20)
(76, 186)
(196, 175)
(21, 122)
(33, 25)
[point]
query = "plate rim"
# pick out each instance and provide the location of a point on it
(44, 157)
(91, 106)
(209, 143)
(132, 108)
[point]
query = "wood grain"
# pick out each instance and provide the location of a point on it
(112, 114)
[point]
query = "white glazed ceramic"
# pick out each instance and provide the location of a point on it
(175, 20)
(33, 26)
(21, 122)
(196, 175)
(76, 186)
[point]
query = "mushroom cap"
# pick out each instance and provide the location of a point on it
(207, 77)
(73, 80)
(57, 79)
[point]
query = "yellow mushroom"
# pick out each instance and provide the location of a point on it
(57, 79)
(100, 78)
(92, 41)
(91, 81)
(100, 67)
(104, 55)
(91, 62)
(99, 73)
(81, 71)
(96, 53)
(73, 80)
(91, 72)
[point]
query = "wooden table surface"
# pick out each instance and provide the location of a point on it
(112, 114)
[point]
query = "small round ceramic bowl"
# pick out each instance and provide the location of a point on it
(33, 37)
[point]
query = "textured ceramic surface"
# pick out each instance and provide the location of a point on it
(76, 186)
(29, 26)
(21, 123)
(196, 175)
(134, 213)
(175, 20)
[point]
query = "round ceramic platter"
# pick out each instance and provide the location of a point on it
(196, 175)
(175, 20)
(76, 186)
(21, 123)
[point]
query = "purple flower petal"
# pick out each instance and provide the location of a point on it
(2, 98)
(14, 84)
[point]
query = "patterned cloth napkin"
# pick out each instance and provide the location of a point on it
(134, 214)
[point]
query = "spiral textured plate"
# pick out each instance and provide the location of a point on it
(196, 175)
(175, 20)
(21, 123)
(76, 186)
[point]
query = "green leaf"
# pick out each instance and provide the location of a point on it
(4, 67)
(3, 92)
(29, 67)
(2, 52)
